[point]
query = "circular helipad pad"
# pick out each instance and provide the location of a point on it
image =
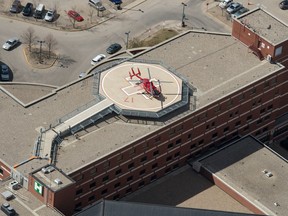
(125, 87)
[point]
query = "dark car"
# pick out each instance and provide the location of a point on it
(4, 73)
(7, 209)
(113, 48)
(28, 9)
(116, 2)
(240, 12)
(16, 7)
(283, 4)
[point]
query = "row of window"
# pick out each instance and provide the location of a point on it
(104, 192)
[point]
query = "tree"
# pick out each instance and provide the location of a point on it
(50, 42)
(29, 37)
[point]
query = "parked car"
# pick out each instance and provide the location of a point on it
(97, 4)
(97, 59)
(9, 44)
(283, 4)
(74, 15)
(50, 15)
(226, 3)
(113, 48)
(240, 12)
(16, 7)
(38, 14)
(116, 2)
(28, 9)
(5, 73)
(233, 8)
(7, 209)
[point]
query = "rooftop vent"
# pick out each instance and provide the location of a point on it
(58, 181)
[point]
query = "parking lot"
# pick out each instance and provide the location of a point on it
(62, 21)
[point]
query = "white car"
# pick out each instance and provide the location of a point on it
(97, 59)
(226, 3)
(9, 44)
(49, 15)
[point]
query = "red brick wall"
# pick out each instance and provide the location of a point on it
(5, 171)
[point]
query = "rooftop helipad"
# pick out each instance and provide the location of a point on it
(128, 92)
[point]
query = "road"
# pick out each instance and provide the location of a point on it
(77, 48)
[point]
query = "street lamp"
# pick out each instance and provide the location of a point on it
(40, 52)
(127, 38)
(183, 15)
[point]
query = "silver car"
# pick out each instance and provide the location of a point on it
(9, 44)
(49, 17)
(233, 8)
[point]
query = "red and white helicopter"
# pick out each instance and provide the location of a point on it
(147, 83)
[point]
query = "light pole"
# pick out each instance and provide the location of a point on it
(127, 38)
(40, 52)
(183, 15)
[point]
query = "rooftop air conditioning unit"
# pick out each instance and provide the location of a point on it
(58, 181)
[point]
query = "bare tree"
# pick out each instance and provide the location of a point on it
(50, 42)
(29, 37)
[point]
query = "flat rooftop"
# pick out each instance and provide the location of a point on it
(220, 67)
(266, 25)
(242, 166)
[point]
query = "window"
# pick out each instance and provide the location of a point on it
(116, 197)
(262, 110)
(1, 172)
(172, 131)
(226, 129)
(253, 91)
(230, 103)
(154, 166)
(266, 84)
(118, 172)
(79, 177)
(265, 129)
(129, 190)
(130, 178)
(168, 170)
(79, 191)
(131, 165)
(218, 109)
(189, 136)
(143, 159)
(78, 205)
(266, 117)
(270, 107)
(93, 184)
(119, 158)
(141, 184)
(106, 165)
(246, 128)
(105, 191)
(231, 115)
(91, 198)
(242, 97)
(201, 142)
(145, 146)
(105, 179)
(213, 124)
(142, 172)
(214, 135)
(193, 146)
(207, 127)
(249, 118)
(169, 158)
(178, 141)
(170, 145)
(153, 178)
(175, 166)
(131, 152)
(155, 153)
(257, 132)
(157, 139)
(278, 51)
(117, 185)
(93, 171)
(259, 121)
(177, 154)
(238, 123)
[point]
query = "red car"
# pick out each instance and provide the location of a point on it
(75, 16)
